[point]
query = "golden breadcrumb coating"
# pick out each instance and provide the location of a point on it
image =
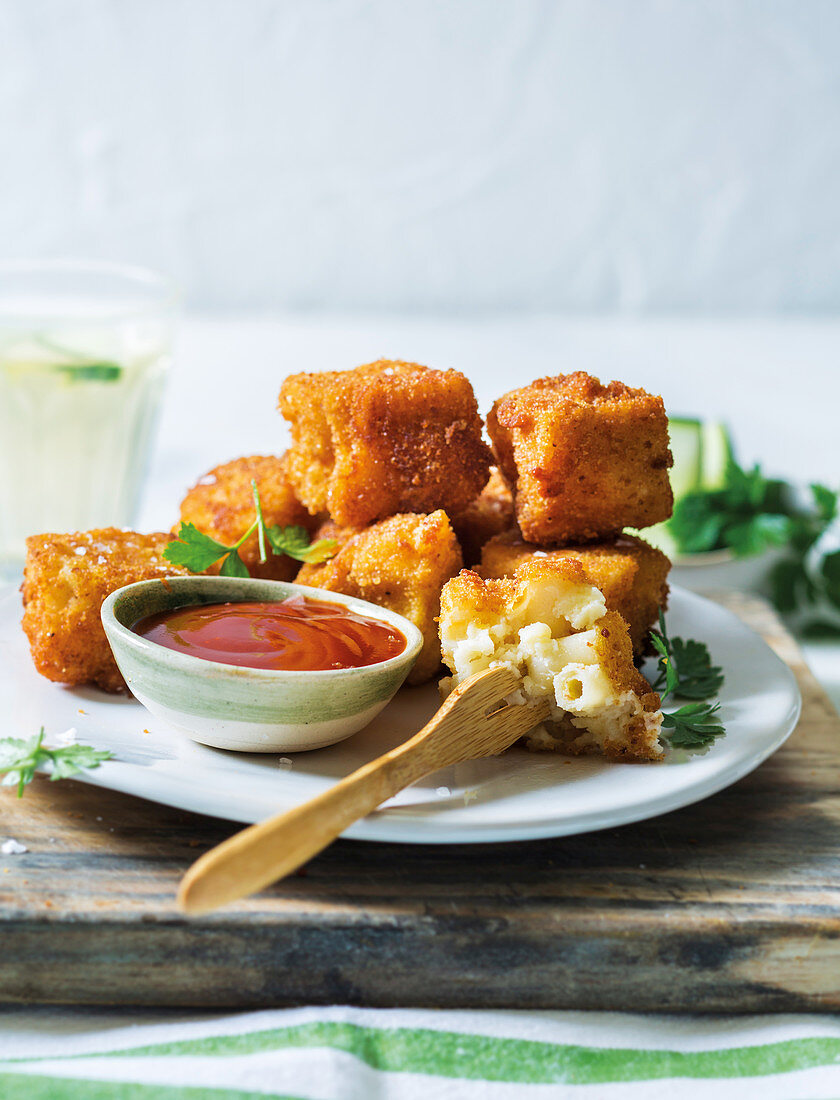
(221, 505)
(384, 438)
(489, 514)
(400, 563)
(632, 575)
(551, 625)
(66, 580)
(585, 460)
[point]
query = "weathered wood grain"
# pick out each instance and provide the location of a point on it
(730, 905)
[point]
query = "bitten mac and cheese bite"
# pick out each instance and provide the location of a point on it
(632, 575)
(551, 625)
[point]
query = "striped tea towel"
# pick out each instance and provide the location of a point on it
(343, 1053)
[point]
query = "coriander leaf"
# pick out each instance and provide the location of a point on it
(197, 551)
(194, 550)
(321, 550)
(693, 726)
(19, 759)
(72, 759)
(294, 541)
(11, 750)
(234, 566)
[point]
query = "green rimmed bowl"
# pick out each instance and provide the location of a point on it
(248, 709)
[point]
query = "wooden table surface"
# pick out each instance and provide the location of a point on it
(730, 905)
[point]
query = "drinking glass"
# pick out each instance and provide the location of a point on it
(84, 350)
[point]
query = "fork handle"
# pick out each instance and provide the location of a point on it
(263, 853)
(259, 855)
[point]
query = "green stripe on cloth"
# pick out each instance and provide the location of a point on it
(487, 1058)
(20, 1086)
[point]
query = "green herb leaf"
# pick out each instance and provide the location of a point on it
(197, 551)
(696, 524)
(825, 502)
(194, 550)
(234, 566)
(693, 726)
(830, 570)
(294, 541)
(752, 513)
(697, 677)
(667, 677)
(19, 760)
(757, 534)
(687, 668)
(788, 581)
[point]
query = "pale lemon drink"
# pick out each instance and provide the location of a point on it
(84, 350)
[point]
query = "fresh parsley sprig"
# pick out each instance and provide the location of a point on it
(751, 513)
(686, 666)
(197, 551)
(693, 726)
(748, 514)
(20, 758)
(686, 670)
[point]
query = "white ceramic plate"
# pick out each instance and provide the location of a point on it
(518, 796)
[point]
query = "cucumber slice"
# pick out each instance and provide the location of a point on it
(687, 448)
(660, 537)
(702, 453)
(717, 453)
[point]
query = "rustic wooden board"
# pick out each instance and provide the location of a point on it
(731, 905)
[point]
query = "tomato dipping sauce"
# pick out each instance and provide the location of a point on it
(298, 634)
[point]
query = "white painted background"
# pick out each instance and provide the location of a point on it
(640, 156)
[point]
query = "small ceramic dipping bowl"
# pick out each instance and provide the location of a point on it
(249, 709)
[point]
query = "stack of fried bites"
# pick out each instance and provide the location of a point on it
(388, 461)
(566, 597)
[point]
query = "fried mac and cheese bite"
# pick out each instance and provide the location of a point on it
(551, 625)
(221, 505)
(400, 563)
(65, 582)
(384, 438)
(585, 460)
(489, 514)
(632, 575)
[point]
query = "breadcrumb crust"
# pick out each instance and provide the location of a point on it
(551, 625)
(632, 575)
(65, 582)
(400, 563)
(585, 460)
(490, 514)
(385, 438)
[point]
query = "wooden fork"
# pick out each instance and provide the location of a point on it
(474, 721)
